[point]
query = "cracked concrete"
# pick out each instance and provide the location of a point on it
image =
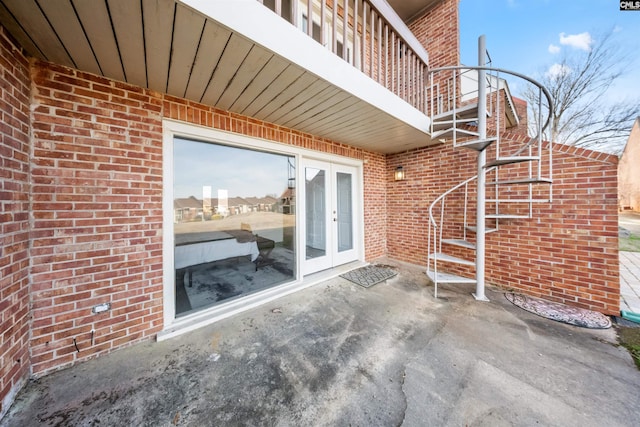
(339, 354)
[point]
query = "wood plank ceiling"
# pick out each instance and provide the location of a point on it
(168, 47)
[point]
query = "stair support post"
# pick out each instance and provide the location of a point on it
(481, 183)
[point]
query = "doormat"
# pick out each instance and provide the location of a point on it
(369, 275)
(560, 312)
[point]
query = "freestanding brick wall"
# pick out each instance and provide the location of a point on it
(14, 219)
(568, 251)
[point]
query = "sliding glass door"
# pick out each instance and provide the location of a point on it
(234, 213)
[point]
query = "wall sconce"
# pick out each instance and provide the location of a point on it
(399, 175)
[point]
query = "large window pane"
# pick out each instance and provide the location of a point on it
(234, 222)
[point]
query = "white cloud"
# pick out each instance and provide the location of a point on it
(579, 41)
(558, 70)
(554, 49)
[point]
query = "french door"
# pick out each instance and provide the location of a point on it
(331, 234)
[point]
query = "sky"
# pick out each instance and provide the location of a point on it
(243, 173)
(529, 36)
(519, 33)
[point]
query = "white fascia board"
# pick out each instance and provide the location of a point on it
(257, 23)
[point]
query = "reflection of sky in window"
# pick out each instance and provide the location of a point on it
(311, 173)
(244, 173)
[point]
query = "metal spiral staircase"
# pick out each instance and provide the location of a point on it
(512, 175)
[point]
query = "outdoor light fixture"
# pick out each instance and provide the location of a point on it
(399, 174)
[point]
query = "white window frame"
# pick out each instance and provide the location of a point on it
(175, 129)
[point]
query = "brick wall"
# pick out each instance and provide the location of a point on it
(14, 219)
(521, 112)
(568, 251)
(375, 205)
(429, 172)
(97, 215)
(97, 207)
(438, 31)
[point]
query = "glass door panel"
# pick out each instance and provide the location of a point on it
(316, 212)
(344, 190)
(331, 234)
(344, 211)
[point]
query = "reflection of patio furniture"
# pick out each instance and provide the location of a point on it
(192, 249)
(265, 246)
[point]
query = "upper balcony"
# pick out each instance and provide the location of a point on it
(353, 72)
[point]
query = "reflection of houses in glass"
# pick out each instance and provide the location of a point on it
(288, 201)
(237, 206)
(191, 208)
(187, 209)
(241, 205)
(261, 204)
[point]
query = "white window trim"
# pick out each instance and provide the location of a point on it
(173, 129)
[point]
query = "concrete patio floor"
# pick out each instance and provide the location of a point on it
(340, 354)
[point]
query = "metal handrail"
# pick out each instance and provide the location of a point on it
(445, 194)
(461, 108)
(521, 149)
(513, 73)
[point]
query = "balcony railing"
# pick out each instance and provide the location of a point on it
(369, 36)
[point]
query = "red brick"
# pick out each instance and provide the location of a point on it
(96, 188)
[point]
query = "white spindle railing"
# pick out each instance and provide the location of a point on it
(369, 35)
